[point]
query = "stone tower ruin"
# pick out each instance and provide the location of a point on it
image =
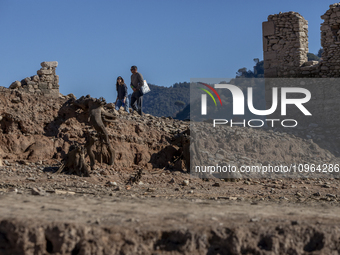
(285, 46)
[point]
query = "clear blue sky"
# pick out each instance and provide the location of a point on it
(170, 41)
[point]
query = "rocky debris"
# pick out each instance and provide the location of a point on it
(74, 162)
(255, 148)
(46, 81)
(38, 192)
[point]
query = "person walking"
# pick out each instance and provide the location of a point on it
(122, 95)
(136, 85)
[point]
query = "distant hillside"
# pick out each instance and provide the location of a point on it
(166, 101)
(258, 72)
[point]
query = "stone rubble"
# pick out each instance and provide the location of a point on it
(45, 82)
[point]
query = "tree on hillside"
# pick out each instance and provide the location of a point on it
(257, 73)
(320, 52)
(312, 56)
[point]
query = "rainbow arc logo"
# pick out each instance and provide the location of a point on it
(204, 97)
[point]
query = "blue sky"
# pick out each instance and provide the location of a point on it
(169, 41)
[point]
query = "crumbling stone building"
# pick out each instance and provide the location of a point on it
(285, 46)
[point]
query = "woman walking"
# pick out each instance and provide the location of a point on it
(122, 95)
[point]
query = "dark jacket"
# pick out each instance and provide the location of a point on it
(122, 91)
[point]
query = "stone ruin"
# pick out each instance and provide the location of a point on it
(285, 46)
(46, 81)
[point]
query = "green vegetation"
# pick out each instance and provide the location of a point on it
(257, 73)
(312, 56)
(166, 101)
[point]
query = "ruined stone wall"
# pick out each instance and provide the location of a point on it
(285, 46)
(330, 41)
(46, 81)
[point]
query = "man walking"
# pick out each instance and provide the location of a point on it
(136, 85)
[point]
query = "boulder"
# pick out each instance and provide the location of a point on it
(44, 72)
(15, 85)
(50, 64)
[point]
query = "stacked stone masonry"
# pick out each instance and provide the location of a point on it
(46, 81)
(285, 46)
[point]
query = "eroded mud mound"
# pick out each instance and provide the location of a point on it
(37, 128)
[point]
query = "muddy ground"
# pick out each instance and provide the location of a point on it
(164, 212)
(161, 210)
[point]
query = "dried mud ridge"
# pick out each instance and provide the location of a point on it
(147, 203)
(126, 225)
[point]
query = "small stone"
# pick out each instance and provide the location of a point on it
(44, 72)
(16, 100)
(111, 184)
(13, 190)
(49, 64)
(298, 194)
(185, 183)
(14, 85)
(283, 198)
(38, 192)
(36, 78)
